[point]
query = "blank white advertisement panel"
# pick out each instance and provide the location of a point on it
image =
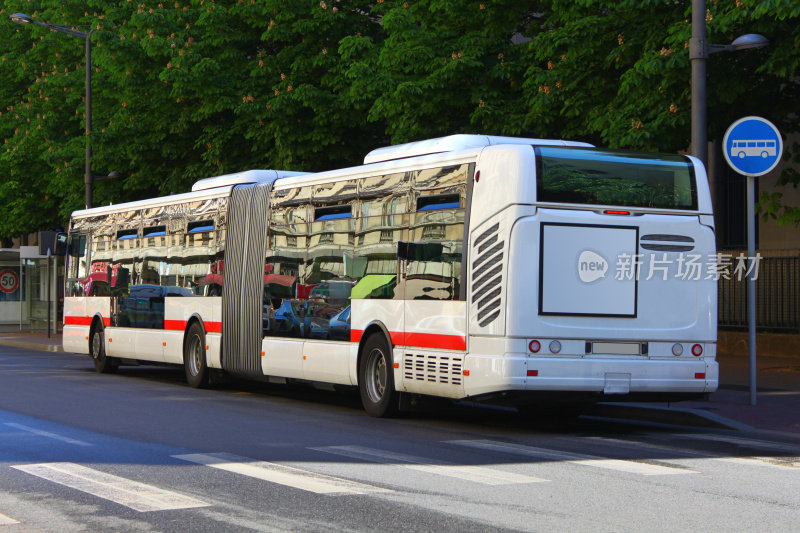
(588, 270)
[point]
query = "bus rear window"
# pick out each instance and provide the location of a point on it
(614, 178)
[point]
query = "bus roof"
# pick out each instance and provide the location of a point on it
(204, 188)
(239, 178)
(453, 143)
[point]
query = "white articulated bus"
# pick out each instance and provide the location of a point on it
(480, 267)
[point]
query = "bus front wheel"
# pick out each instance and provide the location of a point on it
(102, 363)
(194, 357)
(376, 378)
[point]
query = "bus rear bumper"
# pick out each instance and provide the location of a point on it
(609, 376)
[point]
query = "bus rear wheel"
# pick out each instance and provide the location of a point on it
(376, 378)
(194, 357)
(102, 363)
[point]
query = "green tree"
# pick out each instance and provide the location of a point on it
(619, 74)
(187, 89)
(441, 67)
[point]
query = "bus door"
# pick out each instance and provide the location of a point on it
(435, 319)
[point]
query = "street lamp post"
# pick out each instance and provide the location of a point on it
(21, 18)
(699, 50)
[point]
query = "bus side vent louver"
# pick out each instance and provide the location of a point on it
(487, 275)
(444, 369)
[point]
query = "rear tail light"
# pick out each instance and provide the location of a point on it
(677, 349)
(535, 346)
(555, 347)
(697, 350)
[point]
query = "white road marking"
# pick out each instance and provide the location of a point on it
(759, 461)
(638, 445)
(137, 496)
(477, 474)
(743, 441)
(7, 521)
(748, 461)
(281, 474)
(633, 467)
(47, 434)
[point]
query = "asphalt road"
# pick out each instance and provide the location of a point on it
(141, 451)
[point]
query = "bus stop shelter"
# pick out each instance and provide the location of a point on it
(30, 290)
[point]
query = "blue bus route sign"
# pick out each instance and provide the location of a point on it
(752, 146)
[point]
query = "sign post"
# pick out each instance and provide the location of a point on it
(752, 147)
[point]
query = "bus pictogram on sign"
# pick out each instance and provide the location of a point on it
(750, 148)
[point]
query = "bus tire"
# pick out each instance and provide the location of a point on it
(102, 363)
(194, 357)
(376, 378)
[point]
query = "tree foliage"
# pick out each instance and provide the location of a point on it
(193, 88)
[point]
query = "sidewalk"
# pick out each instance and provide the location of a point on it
(777, 408)
(37, 340)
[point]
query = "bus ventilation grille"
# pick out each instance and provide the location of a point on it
(659, 242)
(487, 275)
(445, 369)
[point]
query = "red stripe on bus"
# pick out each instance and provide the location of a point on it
(175, 325)
(431, 340)
(78, 320)
(170, 325)
(420, 340)
(180, 325)
(83, 321)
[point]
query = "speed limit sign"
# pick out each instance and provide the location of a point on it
(9, 281)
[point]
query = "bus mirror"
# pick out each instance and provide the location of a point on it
(75, 245)
(48, 243)
(61, 244)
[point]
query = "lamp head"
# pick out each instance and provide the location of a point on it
(20, 18)
(750, 40)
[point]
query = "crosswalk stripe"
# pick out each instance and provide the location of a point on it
(47, 434)
(640, 445)
(743, 441)
(477, 474)
(694, 454)
(633, 467)
(7, 520)
(760, 461)
(281, 474)
(138, 496)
